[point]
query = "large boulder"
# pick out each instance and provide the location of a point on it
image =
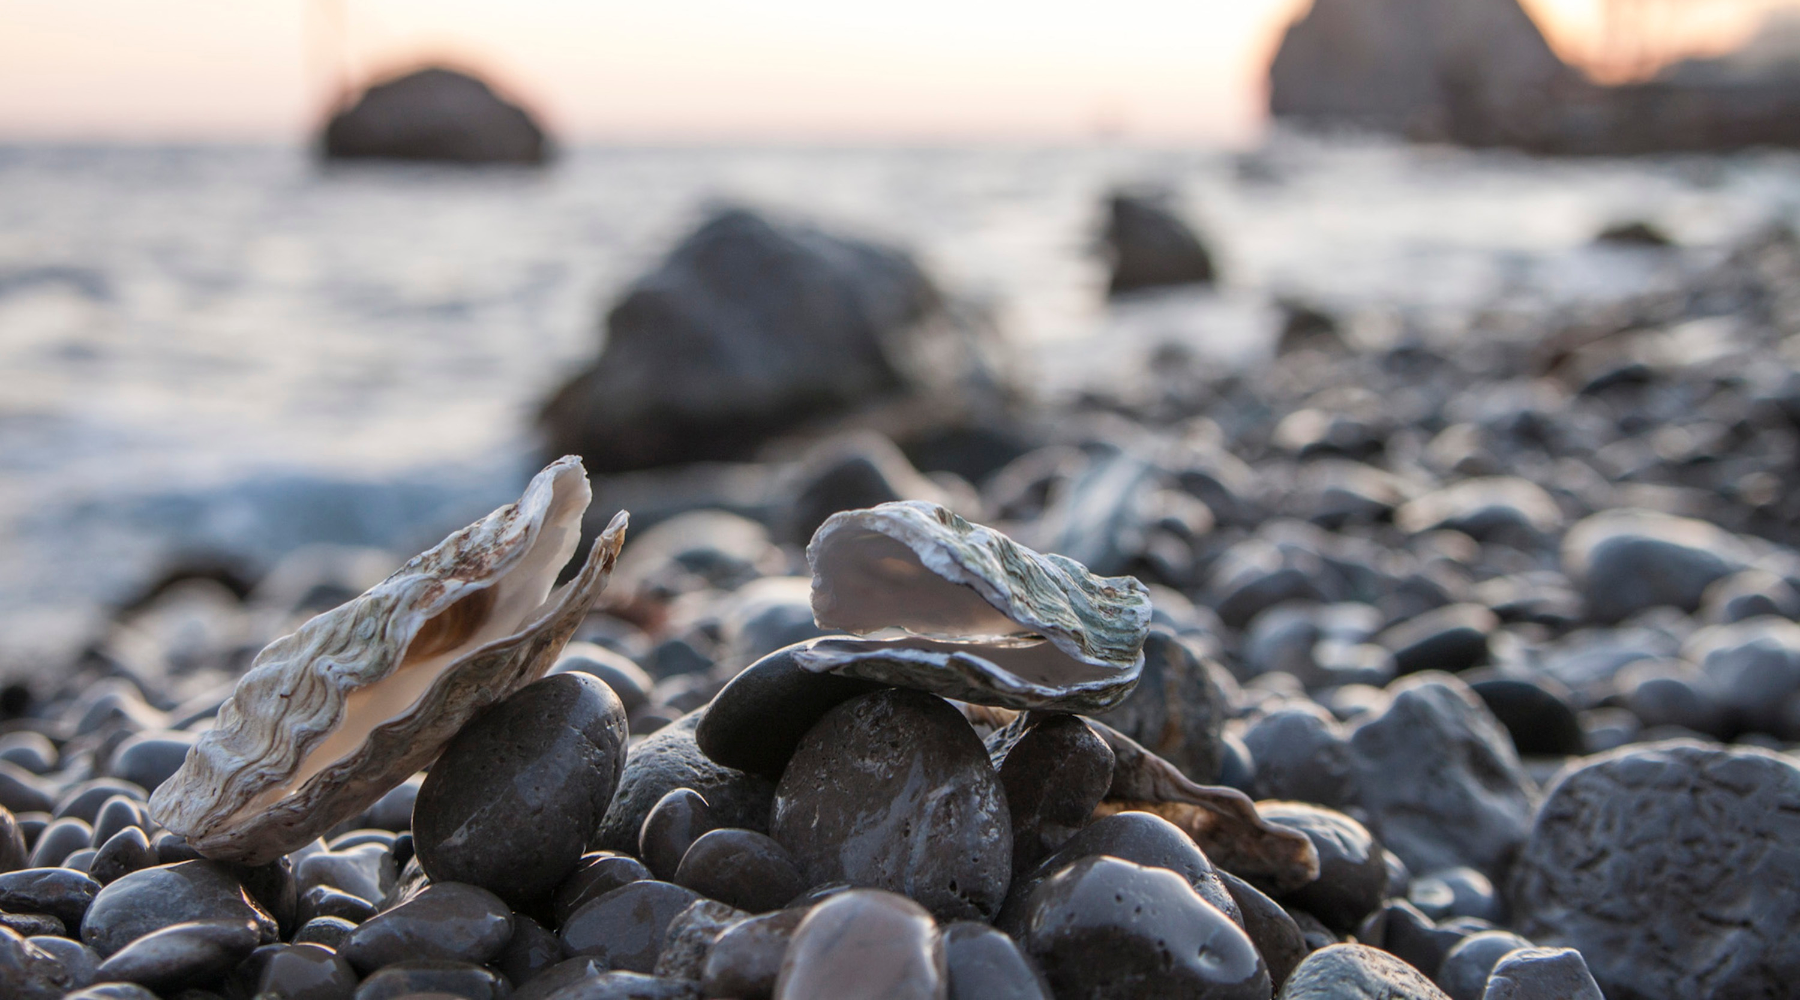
(434, 114)
(1473, 71)
(747, 329)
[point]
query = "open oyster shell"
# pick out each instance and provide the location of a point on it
(963, 611)
(331, 717)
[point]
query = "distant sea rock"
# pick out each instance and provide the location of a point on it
(1152, 247)
(435, 114)
(749, 328)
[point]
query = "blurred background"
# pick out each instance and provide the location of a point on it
(250, 306)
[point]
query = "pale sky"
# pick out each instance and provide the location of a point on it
(688, 70)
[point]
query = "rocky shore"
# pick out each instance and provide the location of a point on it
(1468, 668)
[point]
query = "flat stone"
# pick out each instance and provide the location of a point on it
(61, 892)
(746, 869)
(757, 720)
(625, 927)
(148, 759)
(1625, 561)
(28, 972)
(512, 801)
(894, 790)
(985, 964)
(1456, 892)
(325, 901)
(1534, 973)
(1637, 857)
(670, 759)
(79, 961)
(1357, 972)
(23, 792)
(447, 921)
(627, 680)
(1106, 928)
(33, 924)
(182, 954)
(154, 898)
(864, 944)
(84, 799)
(1054, 774)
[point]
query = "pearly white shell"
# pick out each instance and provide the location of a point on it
(333, 716)
(974, 615)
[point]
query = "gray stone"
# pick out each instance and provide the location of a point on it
(1637, 855)
(434, 114)
(1753, 667)
(28, 972)
(1352, 871)
(1464, 974)
(1625, 561)
(745, 959)
(1151, 247)
(985, 964)
(154, 898)
(1301, 754)
(61, 892)
(1538, 973)
(1357, 972)
(626, 927)
(864, 944)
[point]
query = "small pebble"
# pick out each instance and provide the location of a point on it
(85, 799)
(117, 813)
(60, 892)
(531, 950)
(325, 901)
(599, 873)
(625, 927)
(1464, 974)
(743, 868)
(1276, 936)
(1054, 775)
(447, 921)
(1352, 869)
(328, 931)
(123, 853)
(77, 959)
(671, 826)
(297, 972)
(60, 839)
(864, 943)
(1535, 973)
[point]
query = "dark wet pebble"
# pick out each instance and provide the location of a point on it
(123, 853)
(1400, 929)
(598, 873)
(531, 950)
(358, 838)
(1054, 774)
(394, 810)
(1138, 837)
(746, 958)
(28, 972)
(148, 759)
(894, 790)
(1355, 970)
(1537, 973)
(1313, 930)
(758, 719)
(328, 931)
(112, 991)
(691, 935)
(1540, 718)
(61, 892)
(670, 759)
(1457, 892)
(77, 959)
(182, 954)
(510, 804)
(59, 840)
(1301, 754)
(274, 888)
(447, 921)
(628, 681)
(1105, 928)
(81, 860)
(22, 792)
(1352, 870)
(672, 825)
(1464, 973)
(627, 986)
(13, 853)
(365, 870)
(85, 799)
(567, 972)
(625, 927)
(985, 964)
(1277, 938)
(465, 980)
(325, 901)
(117, 813)
(1451, 638)
(1177, 710)
(746, 869)
(172, 848)
(33, 924)
(296, 972)
(865, 943)
(32, 751)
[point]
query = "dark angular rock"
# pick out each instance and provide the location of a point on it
(182, 954)
(625, 927)
(1054, 774)
(434, 114)
(447, 921)
(894, 790)
(746, 957)
(985, 964)
(864, 944)
(1530, 973)
(745, 869)
(60, 892)
(690, 937)
(1352, 871)
(757, 720)
(511, 803)
(435, 978)
(670, 828)
(1106, 928)
(1355, 970)
(1635, 854)
(1277, 938)
(669, 759)
(1151, 247)
(1177, 710)
(599, 873)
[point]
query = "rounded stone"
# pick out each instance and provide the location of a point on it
(63, 893)
(1276, 936)
(893, 790)
(864, 944)
(985, 964)
(755, 722)
(668, 759)
(1636, 854)
(1177, 710)
(1464, 972)
(1456, 892)
(1054, 774)
(59, 840)
(511, 803)
(1353, 872)
(297, 972)
(112, 991)
(550, 981)
(531, 950)
(1532, 973)
(28, 972)
(1102, 928)
(123, 853)
(745, 960)
(13, 853)
(117, 813)
(1301, 754)
(30, 750)
(84, 799)
(436, 978)
(154, 898)
(79, 962)
(446, 921)
(1539, 719)
(23, 792)
(627, 680)
(625, 927)
(599, 873)
(325, 901)
(1451, 638)
(1355, 970)
(670, 828)
(328, 931)
(366, 871)
(182, 954)
(743, 868)
(148, 759)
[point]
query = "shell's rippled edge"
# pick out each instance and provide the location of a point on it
(357, 699)
(984, 619)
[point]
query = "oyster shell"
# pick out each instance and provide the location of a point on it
(963, 611)
(358, 698)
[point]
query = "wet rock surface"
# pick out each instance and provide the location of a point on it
(864, 943)
(669, 759)
(894, 790)
(446, 921)
(625, 927)
(154, 898)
